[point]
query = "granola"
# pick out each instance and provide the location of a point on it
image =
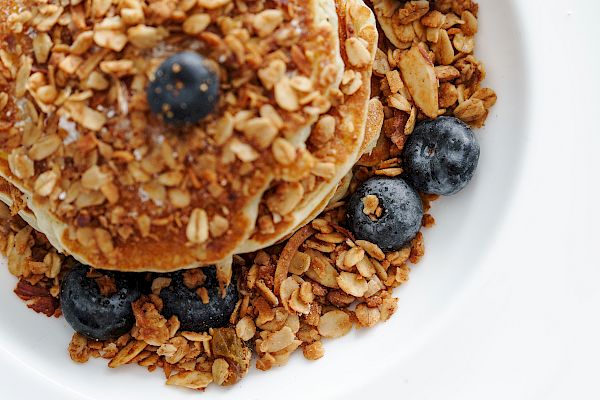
(319, 283)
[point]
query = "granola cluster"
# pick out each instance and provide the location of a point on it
(426, 68)
(322, 281)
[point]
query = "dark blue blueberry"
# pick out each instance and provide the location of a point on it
(193, 314)
(441, 156)
(401, 213)
(93, 314)
(185, 89)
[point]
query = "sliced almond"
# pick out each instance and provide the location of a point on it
(419, 77)
(352, 284)
(321, 270)
(334, 324)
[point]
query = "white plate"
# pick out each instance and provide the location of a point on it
(495, 310)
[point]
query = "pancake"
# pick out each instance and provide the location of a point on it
(112, 183)
(288, 205)
(11, 196)
(375, 118)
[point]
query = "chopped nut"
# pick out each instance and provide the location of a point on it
(313, 351)
(488, 96)
(433, 19)
(132, 16)
(367, 317)
(446, 73)
(78, 349)
(96, 81)
(160, 283)
(340, 298)
(151, 327)
(220, 371)
(448, 95)
(381, 66)
(110, 39)
(387, 308)
(470, 110)
(117, 68)
(411, 11)
(82, 43)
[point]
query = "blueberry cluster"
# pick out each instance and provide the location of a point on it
(103, 316)
(440, 157)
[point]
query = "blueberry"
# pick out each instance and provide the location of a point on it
(398, 220)
(93, 314)
(193, 314)
(441, 156)
(185, 89)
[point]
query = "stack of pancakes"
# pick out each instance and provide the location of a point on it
(83, 159)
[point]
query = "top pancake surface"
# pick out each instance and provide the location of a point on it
(120, 188)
